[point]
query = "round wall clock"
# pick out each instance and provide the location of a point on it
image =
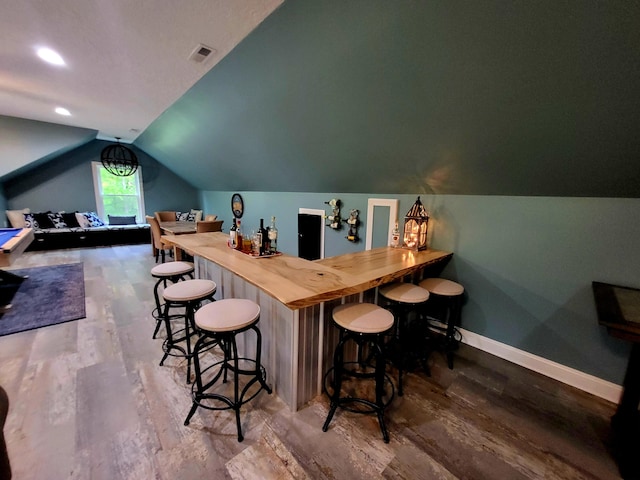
(237, 205)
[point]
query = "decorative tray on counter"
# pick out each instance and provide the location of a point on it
(249, 254)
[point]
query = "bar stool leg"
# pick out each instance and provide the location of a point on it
(338, 358)
(236, 392)
(158, 307)
(380, 372)
(167, 324)
(197, 371)
(188, 315)
(453, 319)
(262, 380)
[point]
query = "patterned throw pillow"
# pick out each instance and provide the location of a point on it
(191, 216)
(30, 222)
(71, 220)
(57, 220)
(43, 220)
(93, 219)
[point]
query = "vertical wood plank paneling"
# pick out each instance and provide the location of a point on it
(284, 352)
(308, 352)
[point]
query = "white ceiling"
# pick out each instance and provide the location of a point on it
(126, 61)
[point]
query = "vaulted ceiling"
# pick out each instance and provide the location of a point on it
(407, 97)
(125, 63)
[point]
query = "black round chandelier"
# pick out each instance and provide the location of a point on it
(119, 160)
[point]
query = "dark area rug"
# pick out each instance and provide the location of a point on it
(50, 295)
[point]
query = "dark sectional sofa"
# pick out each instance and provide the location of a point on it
(56, 238)
(56, 230)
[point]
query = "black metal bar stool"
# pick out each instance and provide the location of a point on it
(167, 272)
(188, 294)
(409, 343)
(365, 324)
(219, 324)
(446, 296)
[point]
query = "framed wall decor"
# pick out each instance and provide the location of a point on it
(237, 205)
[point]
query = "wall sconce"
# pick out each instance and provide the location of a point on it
(353, 223)
(415, 227)
(334, 218)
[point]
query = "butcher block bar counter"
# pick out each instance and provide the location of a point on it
(294, 294)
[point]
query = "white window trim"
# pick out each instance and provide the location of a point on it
(97, 188)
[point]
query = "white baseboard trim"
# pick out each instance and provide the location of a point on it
(583, 381)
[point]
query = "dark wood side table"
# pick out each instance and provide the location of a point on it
(619, 310)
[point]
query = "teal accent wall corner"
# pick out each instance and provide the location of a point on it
(66, 183)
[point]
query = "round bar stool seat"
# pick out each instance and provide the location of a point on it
(404, 293)
(188, 294)
(219, 323)
(167, 272)
(450, 293)
(442, 286)
(365, 324)
(409, 343)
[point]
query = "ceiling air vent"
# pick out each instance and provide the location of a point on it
(200, 53)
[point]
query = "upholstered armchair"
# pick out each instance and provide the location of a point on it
(166, 216)
(205, 226)
(157, 247)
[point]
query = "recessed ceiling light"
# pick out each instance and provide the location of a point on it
(63, 111)
(50, 56)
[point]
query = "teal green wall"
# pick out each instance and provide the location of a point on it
(66, 183)
(25, 144)
(3, 204)
(527, 263)
(489, 97)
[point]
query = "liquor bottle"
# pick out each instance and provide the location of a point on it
(273, 235)
(395, 236)
(233, 235)
(263, 238)
(239, 238)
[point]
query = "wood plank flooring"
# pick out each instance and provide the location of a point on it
(89, 401)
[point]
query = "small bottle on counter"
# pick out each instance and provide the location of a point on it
(233, 235)
(262, 238)
(273, 236)
(239, 237)
(395, 236)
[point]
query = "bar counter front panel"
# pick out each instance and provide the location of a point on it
(296, 297)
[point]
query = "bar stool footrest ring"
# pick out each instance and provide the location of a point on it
(343, 402)
(198, 397)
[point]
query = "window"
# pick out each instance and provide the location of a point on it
(121, 196)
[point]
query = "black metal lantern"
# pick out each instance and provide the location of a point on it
(415, 227)
(119, 160)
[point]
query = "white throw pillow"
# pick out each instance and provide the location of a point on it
(82, 220)
(197, 214)
(16, 217)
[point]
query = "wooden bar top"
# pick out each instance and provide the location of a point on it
(299, 283)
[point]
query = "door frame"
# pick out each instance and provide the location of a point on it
(322, 215)
(392, 203)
